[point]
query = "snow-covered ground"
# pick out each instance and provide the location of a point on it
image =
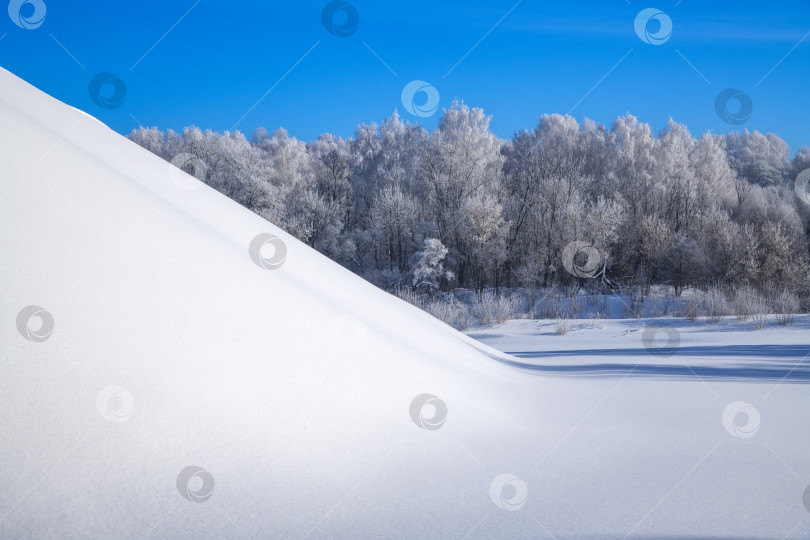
(176, 381)
(670, 348)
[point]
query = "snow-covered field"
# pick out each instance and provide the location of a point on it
(670, 348)
(177, 380)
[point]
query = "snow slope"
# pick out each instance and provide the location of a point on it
(291, 389)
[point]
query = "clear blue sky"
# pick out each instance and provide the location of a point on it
(543, 57)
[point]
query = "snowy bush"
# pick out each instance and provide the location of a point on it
(760, 315)
(715, 305)
(785, 306)
(444, 307)
(409, 296)
(690, 308)
(492, 308)
(451, 312)
(745, 302)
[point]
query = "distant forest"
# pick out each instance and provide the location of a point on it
(559, 205)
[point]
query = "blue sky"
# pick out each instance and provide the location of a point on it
(209, 62)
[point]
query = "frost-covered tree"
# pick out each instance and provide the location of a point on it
(484, 231)
(461, 161)
(760, 159)
(393, 222)
(783, 265)
(655, 240)
(427, 265)
(799, 163)
(678, 195)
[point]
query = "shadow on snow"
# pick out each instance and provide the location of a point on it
(773, 362)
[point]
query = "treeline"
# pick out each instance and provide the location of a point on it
(458, 207)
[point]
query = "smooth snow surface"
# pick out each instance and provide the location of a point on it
(177, 365)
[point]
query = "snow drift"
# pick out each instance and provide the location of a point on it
(186, 390)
